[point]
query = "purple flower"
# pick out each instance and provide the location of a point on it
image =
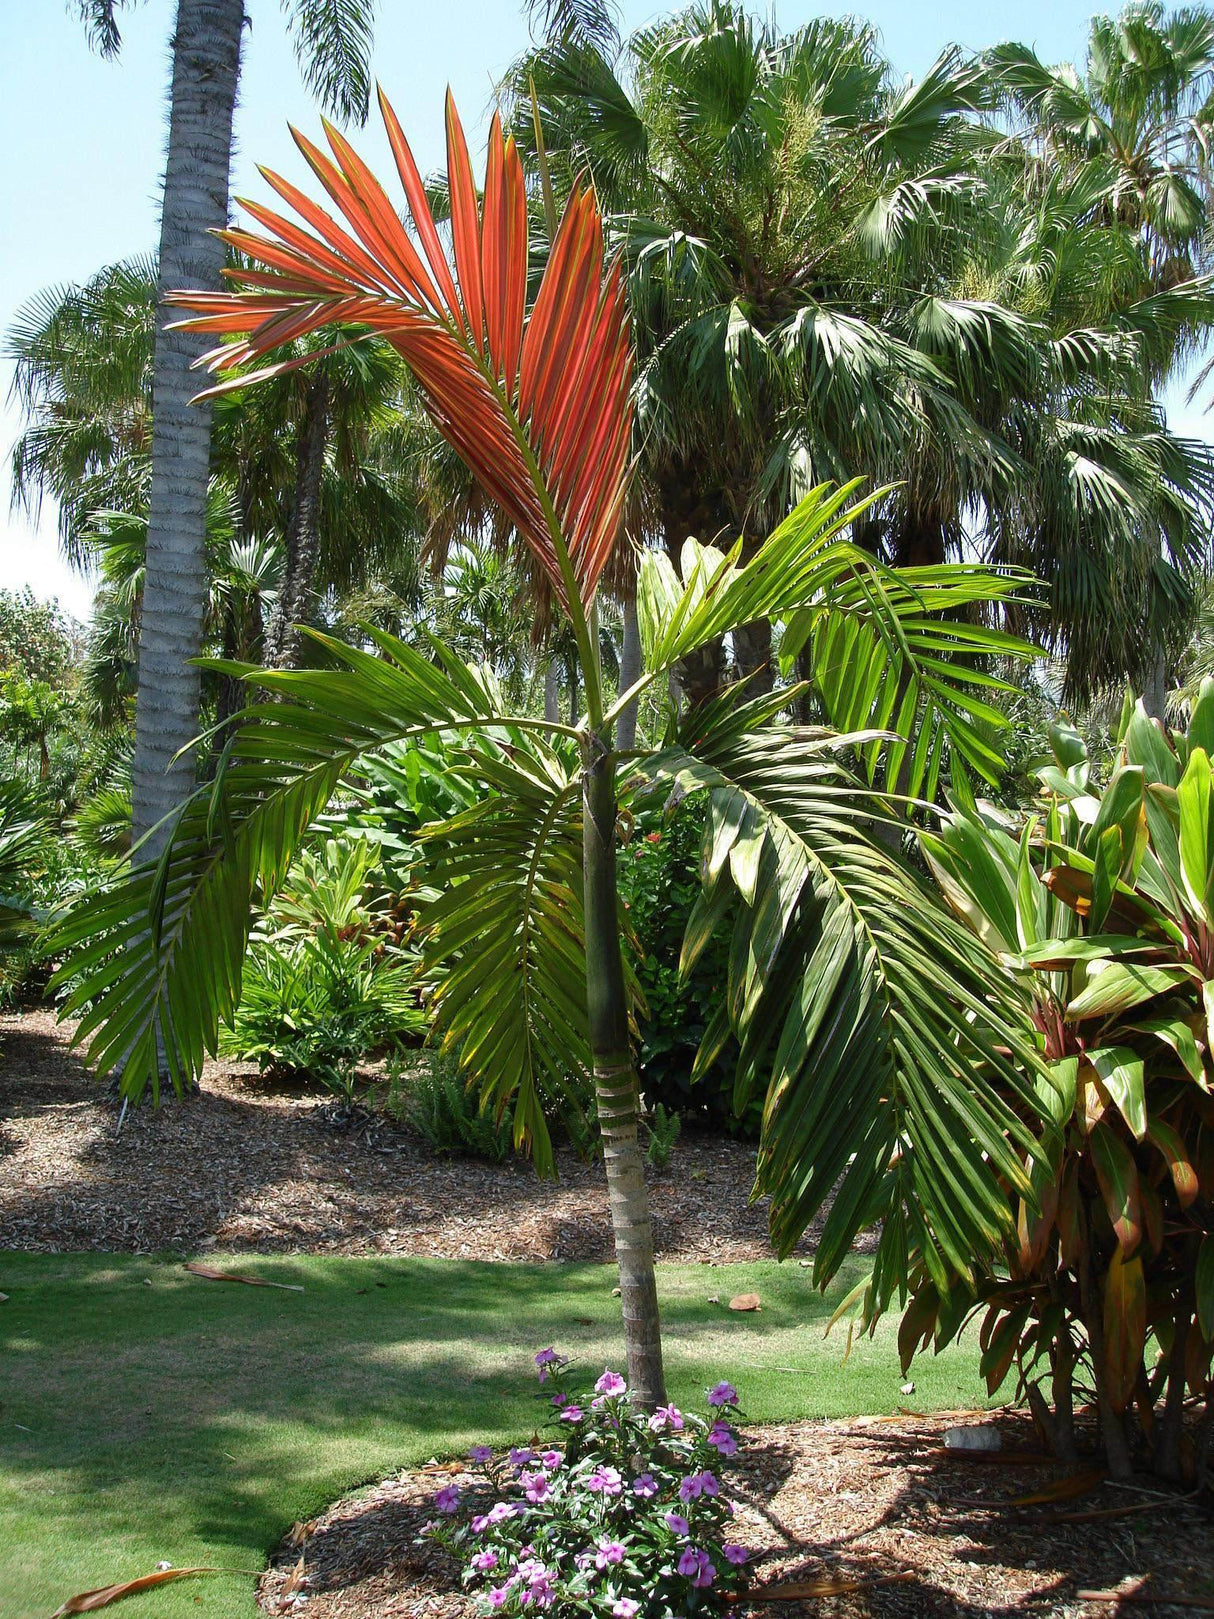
(610, 1383)
(605, 1479)
(645, 1486)
(559, 1400)
(534, 1486)
(625, 1608)
(520, 1456)
(480, 1523)
(571, 1413)
(736, 1555)
(697, 1484)
(480, 1453)
(721, 1435)
(583, 1560)
(484, 1561)
(547, 1357)
(676, 1523)
(500, 1512)
(499, 1596)
(609, 1551)
(723, 1394)
(666, 1416)
(697, 1567)
(447, 1500)
(551, 1459)
(547, 1361)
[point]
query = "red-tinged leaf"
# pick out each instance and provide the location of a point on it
(1176, 1155)
(1070, 1220)
(1125, 1327)
(90, 1601)
(1118, 1178)
(210, 1274)
(465, 223)
(538, 406)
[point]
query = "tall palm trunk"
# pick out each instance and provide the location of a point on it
(615, 1082)
(295, 600)
(206, 66)
(552, 692)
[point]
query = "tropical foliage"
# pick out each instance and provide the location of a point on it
(1100, 905)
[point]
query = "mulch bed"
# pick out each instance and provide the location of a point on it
(878, 1504)
(247, 1167)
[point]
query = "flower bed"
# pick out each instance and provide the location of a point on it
(621, 1514)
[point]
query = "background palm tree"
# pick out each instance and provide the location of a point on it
(832, 271)
(332, 41)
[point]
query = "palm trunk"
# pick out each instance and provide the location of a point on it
(295, 601)
(615, 1084)
(552, 692)
(206, 66)
(752, 649)
(630, 673)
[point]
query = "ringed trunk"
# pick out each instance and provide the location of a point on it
(206, 66)
(616, 1086)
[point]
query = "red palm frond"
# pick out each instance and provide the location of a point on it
(538, 404)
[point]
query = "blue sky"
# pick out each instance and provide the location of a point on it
(85, 139)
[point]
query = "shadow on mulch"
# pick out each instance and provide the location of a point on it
(875, 1504)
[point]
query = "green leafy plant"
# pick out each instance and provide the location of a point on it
(664, 1128)
(1102, 905)
(436, 1102)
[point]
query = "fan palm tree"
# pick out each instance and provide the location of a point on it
(332, 41)
(893, 1023)
(831, 271)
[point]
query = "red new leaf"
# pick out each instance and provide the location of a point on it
(538, 405)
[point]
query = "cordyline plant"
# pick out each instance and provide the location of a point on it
(1103, 905)
(836, 987)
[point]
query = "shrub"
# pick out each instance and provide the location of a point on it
(326, 981)
(660, 883)
(663, 1128)
(1103, 906)
(438, 1104)
(622, 1516)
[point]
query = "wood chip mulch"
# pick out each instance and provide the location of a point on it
(877, 1504)
(246, 1167)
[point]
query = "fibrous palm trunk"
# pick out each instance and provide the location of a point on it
(206, 66)
(615, 1082)
(296, 598)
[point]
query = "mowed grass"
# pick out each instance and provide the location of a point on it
(149, 1415)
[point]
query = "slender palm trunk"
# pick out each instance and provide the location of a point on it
(296, 599)
(552, 692)
(630, 672)
(206, 66)
(752, 650)
(615, 1083)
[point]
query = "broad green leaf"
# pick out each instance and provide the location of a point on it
(1176, 1155)
(1122, 1073)
(1178, 1034)
(1066, 744)
(1118, 985)
(1197, 834)
(1118, 1178)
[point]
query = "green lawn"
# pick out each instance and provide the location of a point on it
(146, 1414)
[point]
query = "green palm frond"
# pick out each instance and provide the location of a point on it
(505, 938)
(333, 40)
(154, 960)
(872, 1018)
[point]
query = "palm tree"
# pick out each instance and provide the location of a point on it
(831, 271)
(332, 43)
(527, 923)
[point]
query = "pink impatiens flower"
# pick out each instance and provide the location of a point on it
(697, 1566)
(736, 1555)
(484, 1561)
(605, 1480)
(723, 1394)
(608, 1552)
(666, 1416)
(721, 1435)
(480, 1453)
(447, 1500)
(645, 1486)
(535, 1486)
(610, 1383)
(676, 1523)
(625, 1608)
(571, 1413)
